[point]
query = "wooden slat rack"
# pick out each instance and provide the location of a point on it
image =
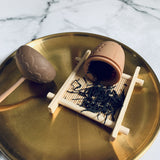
(68, 99)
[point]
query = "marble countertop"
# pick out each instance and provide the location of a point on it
(135, 23)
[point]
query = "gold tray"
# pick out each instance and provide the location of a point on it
(29, 132)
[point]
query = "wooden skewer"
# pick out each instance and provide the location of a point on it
(139, 82)
(54, 103)
(125, 105)
(11, 89)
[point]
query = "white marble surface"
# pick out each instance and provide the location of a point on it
(135, 23)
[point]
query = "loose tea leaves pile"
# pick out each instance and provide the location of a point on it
(98, 98)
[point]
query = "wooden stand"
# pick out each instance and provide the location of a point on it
(65, 99)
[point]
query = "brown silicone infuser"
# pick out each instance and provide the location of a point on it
(106, 63)
(33, 66)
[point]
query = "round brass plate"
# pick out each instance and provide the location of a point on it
(29, 132)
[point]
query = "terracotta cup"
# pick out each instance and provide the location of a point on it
(106, 63)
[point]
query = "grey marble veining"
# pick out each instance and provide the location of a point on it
(135, 23)
(130, 22)
(150, 9)
(125, 21)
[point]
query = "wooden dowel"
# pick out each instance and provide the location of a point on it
(91, 115)
(50, 95)
(125, 105)
(54, 103)
(11, 89)
(139, 82)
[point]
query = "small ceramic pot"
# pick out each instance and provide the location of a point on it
(106, 63)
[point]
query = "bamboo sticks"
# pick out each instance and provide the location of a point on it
(116, 126)
(54, 103)
(125, 105)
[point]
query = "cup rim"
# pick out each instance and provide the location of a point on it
(105, 60)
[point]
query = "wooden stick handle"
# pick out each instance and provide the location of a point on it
(125, 105)
(54, 103)
(91, 115)
(11, 89)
